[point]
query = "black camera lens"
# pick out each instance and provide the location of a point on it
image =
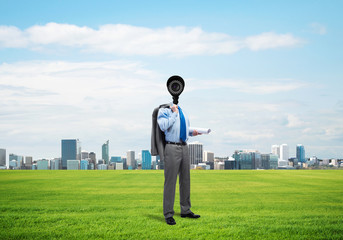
(175, 87)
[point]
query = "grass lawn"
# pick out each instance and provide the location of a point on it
(283, 204)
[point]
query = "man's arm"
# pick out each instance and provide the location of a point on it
(165, 119)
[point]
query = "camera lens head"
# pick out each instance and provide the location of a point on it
(175, 85)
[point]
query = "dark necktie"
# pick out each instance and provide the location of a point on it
(183, 135)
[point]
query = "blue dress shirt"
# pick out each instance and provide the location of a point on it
(169, 123)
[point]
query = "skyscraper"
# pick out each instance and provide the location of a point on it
(105, 152)
(276, 150)
(284, 155)
(2, 157)
(195, 152)
(130, 159)
(70, 149)
(92, 157)
(146, 160)
(28, 162)
(284, 152)
(301, 153)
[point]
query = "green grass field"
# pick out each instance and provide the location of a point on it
(128, 205)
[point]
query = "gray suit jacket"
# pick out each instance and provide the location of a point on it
(158, 141)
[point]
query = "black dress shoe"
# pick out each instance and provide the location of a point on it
(170, 221)
(190, 215)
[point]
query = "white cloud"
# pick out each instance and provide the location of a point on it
(248, 136)
(318, 28)
(252, 86)
(131, 40)
(271, 40)
(294, 121)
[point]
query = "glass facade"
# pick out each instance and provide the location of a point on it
(105, 152)
(84, 165)
(69, 151)
(301, 153)
(146, 160)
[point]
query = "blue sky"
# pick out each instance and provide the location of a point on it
(257, 73)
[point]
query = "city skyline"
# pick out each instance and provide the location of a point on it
(256, 73)
(72, 149)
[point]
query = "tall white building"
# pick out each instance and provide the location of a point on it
(130, 159)
(195, 152)
(284, 152)
(276, 150)
(284, 155)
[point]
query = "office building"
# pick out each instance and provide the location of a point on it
(55, 164)
(73, 164)
(28, 162)
(247, 159)
(13, 164)
(276, 150)
(102, 166)
(229, 164)
(84, 155)
(146, 160)
(208, 156)
(70, 151)
(301, 153)
(105, 152)
(130, 159)
(195, 153)
(119, 166)
(219, 166)
(284, 155)
(92, 157)
(84, 164)
(116, 159)
(273, 161)
(2, 157)
(19, 160)
(43, 164)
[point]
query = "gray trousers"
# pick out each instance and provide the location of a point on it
(176, 161)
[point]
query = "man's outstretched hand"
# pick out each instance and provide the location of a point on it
(195, 133)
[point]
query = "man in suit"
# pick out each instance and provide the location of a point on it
(175, 125)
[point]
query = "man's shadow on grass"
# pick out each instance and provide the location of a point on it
(156, 217)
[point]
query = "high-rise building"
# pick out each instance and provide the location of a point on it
(273, 161)
(284, 152)
(276, 150)
(19, 160)
(84, 155)
(208, 156)
(247, 159)
(70, 151)
(2, 157)
(92, 157)
(195, 152)
(146, 160)
(105, 152)
(28, 162)
(130, 159)
(301, 153)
